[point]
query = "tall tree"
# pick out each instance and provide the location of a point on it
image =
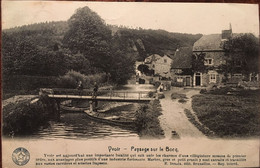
(89, 36)
(242, 54)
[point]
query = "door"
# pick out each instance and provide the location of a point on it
(187, 81)
(197, 79)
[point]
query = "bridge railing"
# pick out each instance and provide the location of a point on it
(104, 93)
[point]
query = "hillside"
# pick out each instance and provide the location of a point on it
(142, 42)
(84, 44)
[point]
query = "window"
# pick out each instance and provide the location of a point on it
(212, 78)
(153, 66)
(165, 60)
(208, 61)
(253, 77)
(179, 79)
(237, 75)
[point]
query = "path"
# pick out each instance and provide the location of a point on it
(173, 117)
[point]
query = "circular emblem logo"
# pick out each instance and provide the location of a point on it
(21, 156)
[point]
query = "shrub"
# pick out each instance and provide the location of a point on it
(182, 101)
(161, 96)
(157, 84)
(203, 91)
(147, 121)
(71, 79)
(178, 96)
(151, 94)
(24, 117)
(220, 91)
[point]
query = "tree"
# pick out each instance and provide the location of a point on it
(242, 54)
(143, 68)
(88, 35)
(198, 62)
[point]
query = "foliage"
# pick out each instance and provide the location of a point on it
(241, 54)
(145, 69)
(143, 42)
(192, 118)
(147, 121)
(198, 62)
(178, 96)
(71, 79)
(84, 44)
(89, 36)
(24, 117)
(27, 83)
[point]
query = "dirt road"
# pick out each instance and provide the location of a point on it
(173, 117)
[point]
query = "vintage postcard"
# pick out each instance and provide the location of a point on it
(98, 84)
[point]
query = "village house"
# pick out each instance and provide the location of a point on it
(181, 69)
(212, 46)
(160, 64)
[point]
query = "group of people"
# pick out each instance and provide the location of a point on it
(95, 89)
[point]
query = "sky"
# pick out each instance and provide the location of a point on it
(204, 18)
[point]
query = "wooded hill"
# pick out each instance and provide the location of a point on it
(84, 44)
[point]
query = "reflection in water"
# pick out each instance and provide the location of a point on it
(79, 126)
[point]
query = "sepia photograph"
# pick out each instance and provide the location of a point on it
(109, 73)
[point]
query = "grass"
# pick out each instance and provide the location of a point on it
(147, 122)
(206, 131)
(229, 115)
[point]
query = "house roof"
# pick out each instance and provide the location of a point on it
(182, 58)
(166, 56)
(209, 42)
(152, 58)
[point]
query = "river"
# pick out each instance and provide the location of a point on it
(75, 125)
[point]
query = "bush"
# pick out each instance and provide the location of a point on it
(178, 96)
(151, 94)
(220, 91)
(182, 101)
(71, 79)
(23, 117)
(161, 96)
(203, 91)
(147, 121)
(157, 84)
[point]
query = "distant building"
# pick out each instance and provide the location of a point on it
(181, 68)
(160, 64)
(137, 72)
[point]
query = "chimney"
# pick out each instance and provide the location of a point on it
(226, 34)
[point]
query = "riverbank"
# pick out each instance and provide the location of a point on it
(24, 114)
(147, 121)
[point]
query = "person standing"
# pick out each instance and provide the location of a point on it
(95, 90)
(80, 87)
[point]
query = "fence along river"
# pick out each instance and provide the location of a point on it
(79, 126)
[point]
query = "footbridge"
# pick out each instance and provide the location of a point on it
(102, 95)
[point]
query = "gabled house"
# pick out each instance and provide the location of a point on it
(160, 64)
(212, 47)
(181, 68)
